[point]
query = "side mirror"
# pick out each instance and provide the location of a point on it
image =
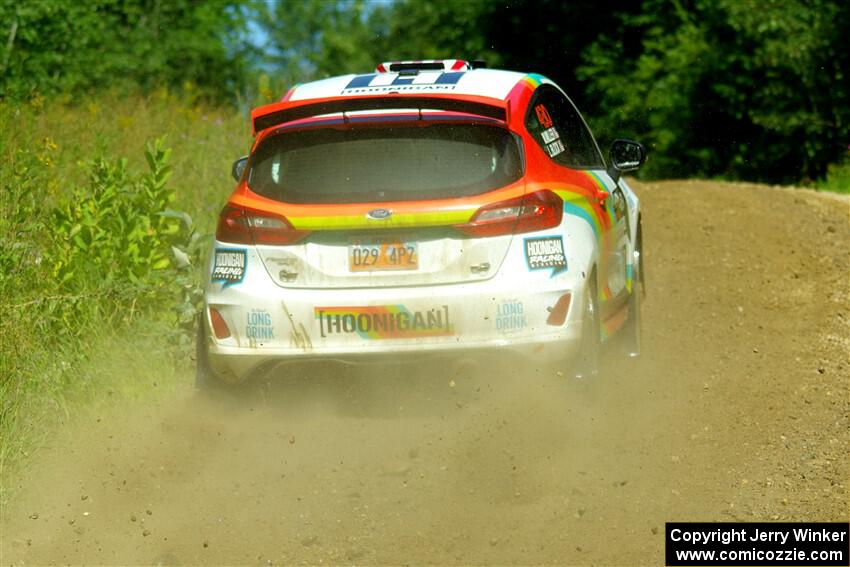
(238, 168)
(625, 155)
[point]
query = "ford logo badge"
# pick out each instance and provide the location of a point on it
(379, 214)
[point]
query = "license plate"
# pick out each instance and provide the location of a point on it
(382, 254)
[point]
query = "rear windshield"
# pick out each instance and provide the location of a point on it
(399, 163)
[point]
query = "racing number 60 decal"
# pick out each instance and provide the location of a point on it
(543, 116)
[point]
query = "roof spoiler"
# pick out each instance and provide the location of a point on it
(289, 111)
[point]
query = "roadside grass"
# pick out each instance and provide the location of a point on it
(204, 140)
(95, 306)
(837, 178)
(108, 372)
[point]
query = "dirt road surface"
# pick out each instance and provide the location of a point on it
(738, 410)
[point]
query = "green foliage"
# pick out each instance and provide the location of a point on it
(94, 256)
(100, 253)
(113, 229)
(310, 40)
(436, 30)
(837, 178)
(63, 46)
(102, 257)
(752, 90)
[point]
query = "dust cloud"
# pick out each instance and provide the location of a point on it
(737, 411)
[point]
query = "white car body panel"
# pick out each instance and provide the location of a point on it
(509, 310)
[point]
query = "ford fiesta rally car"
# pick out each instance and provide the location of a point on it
(426, 209)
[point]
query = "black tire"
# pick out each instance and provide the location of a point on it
(587, 360)
(206, 379)
(631, 333)
(631, 330)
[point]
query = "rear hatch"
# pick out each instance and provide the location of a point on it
(378, 202)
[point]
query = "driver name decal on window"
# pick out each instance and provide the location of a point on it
(554, 148)
(552, 140)
(549, 135)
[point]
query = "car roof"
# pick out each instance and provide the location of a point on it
(492, 83)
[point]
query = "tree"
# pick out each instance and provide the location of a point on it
(314, 39)
(56, 46)
(741, 89)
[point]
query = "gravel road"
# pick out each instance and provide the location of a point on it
(738, 411)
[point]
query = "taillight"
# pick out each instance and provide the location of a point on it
(247, 226)
(529, 213)
(558, 314)
(220, 328)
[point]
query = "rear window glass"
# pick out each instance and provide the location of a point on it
(399, 163)
(556, 125)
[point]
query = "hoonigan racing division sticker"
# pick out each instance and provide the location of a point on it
(384, 322)
(229, 266)
(546, 252)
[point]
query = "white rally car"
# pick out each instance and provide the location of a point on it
(430, 208)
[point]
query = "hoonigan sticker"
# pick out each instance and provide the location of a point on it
(390, 82)
(384, 322)
(229, 266)
(546, 252)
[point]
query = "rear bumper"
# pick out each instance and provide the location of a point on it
(235, 364)
(506, 314)
(269, 325)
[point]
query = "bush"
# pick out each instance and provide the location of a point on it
(94, 258)
(118, 235)
(738, 89)
(837, 178)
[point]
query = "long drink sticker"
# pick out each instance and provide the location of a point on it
(543, 253)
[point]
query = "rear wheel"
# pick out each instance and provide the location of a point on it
(632, 329)
(587, 361)
(206, 379)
